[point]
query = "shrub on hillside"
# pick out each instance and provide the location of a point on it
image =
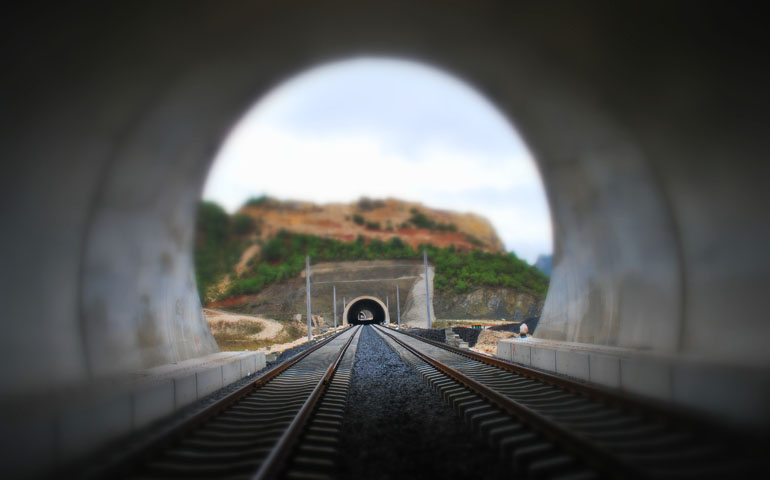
(366, 204)
(243, 224)
(258, 201)
(213, 223)
(216, 251)
(420, 220)
(283, 257)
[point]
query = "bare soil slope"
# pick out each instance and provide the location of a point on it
(381, 219)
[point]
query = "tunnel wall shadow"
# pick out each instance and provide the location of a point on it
(652, 145)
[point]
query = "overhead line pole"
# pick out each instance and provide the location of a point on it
(387, 307)
(334, 301)
(398, 308)
(427, 285)
(307, 283)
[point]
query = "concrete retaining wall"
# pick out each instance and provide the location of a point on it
(735, 392)
(57, 430)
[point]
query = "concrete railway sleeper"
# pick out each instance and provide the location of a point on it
(283, 423)
(551, 427)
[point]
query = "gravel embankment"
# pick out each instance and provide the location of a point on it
(435, 334)
(396, 427)
(470, 335)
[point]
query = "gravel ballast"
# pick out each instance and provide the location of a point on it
(435, 334)
(470, 335)
(397, 427)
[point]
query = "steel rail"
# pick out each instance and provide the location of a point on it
(646, 407)
(592, 454)
(163, 438)
(278, 456)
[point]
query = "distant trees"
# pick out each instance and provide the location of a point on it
(212, 222)
(283, 256)
(462, 271)
(360, 220)
(366, 204)
(243, 224)
(420, 220)
(258, 201)
(221, 239)
(218, 245)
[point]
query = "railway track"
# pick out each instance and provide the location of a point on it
(545, 426)
(287, 423)
(283, 424)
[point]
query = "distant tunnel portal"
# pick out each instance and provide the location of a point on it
(365, 311)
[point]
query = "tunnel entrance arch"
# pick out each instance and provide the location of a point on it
(642, 245)
(365, 310)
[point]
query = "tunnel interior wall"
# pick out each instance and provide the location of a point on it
(652, 145)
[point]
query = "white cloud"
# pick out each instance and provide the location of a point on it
(267, 154)
(264, 160)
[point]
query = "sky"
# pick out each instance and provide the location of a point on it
(386, 128)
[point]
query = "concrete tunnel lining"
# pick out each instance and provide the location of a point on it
(645, 249)
(372, 304)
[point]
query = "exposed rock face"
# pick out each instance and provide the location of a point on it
(488, 303)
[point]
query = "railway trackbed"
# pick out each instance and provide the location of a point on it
(287, 423)
(545, 426)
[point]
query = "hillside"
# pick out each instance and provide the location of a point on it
(414, 223)
(283, 300)
(265, 243)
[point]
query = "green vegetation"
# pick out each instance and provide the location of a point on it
(238, 336)
(283, 258)
(258, 201)
(462, 271)
(474, 241)
(217, 245)
(221, 240)
(243, 224)
(420, 220)
(366, 204)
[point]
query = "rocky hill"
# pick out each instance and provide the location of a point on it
(414, 223)
(253, 261)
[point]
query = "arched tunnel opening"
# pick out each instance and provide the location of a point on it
(366, 311)
(101, 283)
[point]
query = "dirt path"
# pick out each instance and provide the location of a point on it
(278, 348)
(247, 255)
(270, 328)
